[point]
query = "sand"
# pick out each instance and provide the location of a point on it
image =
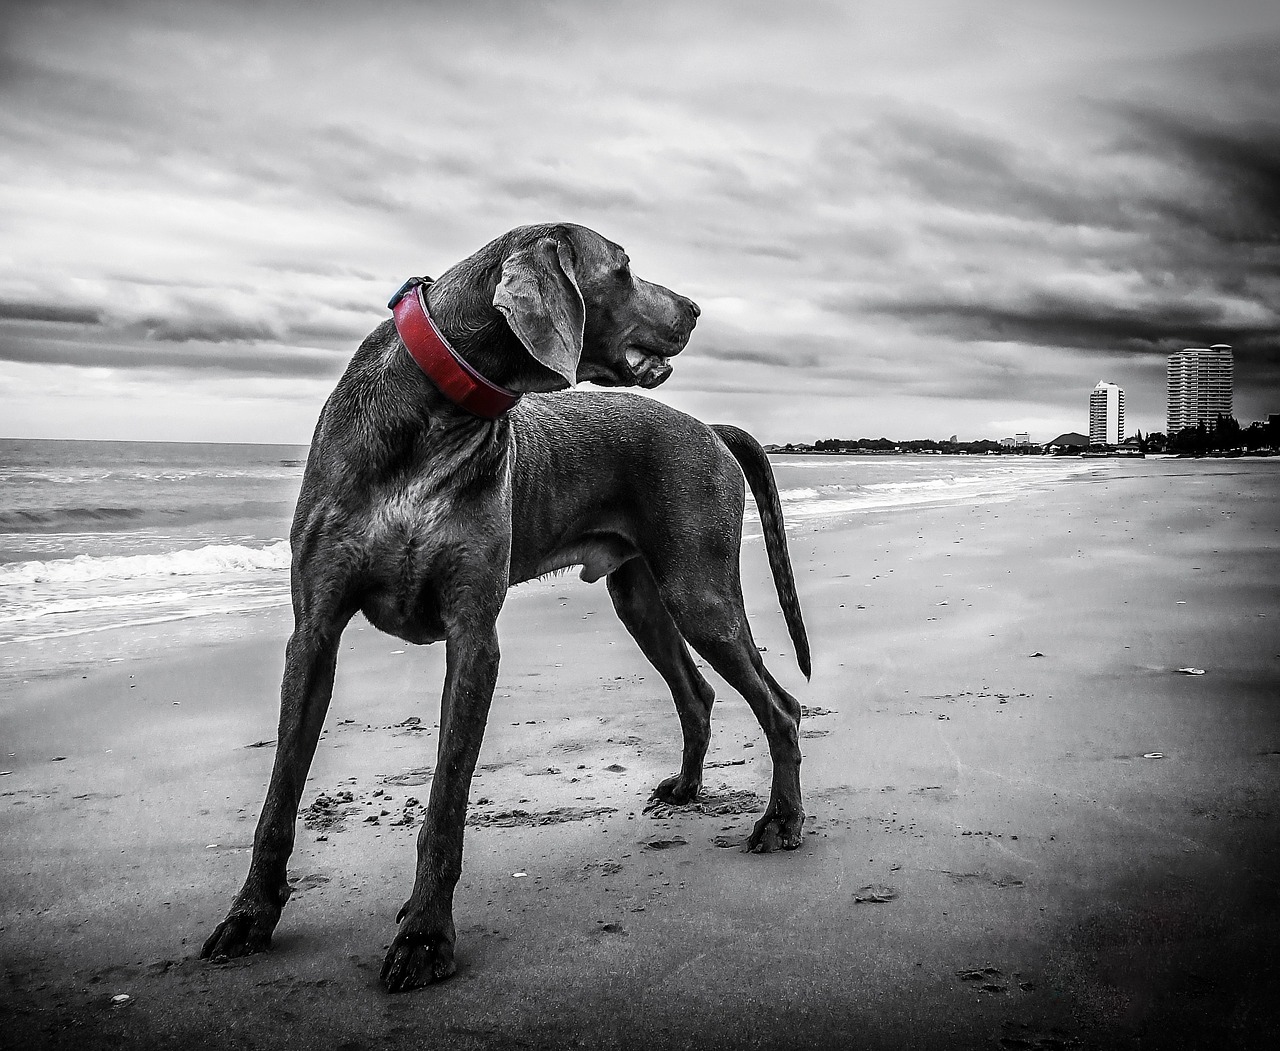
(1028, 829)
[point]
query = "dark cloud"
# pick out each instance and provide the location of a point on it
(349, 332)
(189, 357)
(1165, 235)
(201, 330)
(1235, 193)
(780, 351)
(1049, 320)
(55, 312)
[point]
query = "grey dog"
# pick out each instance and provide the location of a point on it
(420, 515)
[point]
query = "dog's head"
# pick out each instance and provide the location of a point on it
(571, 301)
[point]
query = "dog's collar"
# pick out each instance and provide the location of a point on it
(454, 378)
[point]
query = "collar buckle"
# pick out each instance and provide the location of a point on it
(404, 289)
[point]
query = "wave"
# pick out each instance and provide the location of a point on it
(792, 495)
(44, 517)
(990, 483)
(201, 561)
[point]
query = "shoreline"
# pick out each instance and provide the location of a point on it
(991, 856)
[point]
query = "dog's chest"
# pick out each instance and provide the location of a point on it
(423, 537)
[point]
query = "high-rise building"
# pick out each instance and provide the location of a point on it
(1106, 414)
(1199, 387)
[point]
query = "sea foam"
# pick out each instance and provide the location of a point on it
(212, 559)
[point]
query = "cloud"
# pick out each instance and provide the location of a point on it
(52, 312)
(560, 195)
(193, 358)
(1236, 193)
(951, 203)
(1046, 319)
(188, 330)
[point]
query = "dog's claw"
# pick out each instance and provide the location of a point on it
(414, 961)
(773, 832)
(240, 934)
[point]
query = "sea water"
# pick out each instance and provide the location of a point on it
(190, 540)
(96, 537)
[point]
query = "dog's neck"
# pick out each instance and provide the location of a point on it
(460, 302)
(472, 333)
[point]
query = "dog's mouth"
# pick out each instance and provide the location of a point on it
(649, 367)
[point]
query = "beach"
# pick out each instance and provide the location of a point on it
(1041, 767)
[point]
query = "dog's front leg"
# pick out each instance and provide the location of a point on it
(310, 662)
(422, 951)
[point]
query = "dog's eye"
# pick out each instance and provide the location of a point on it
(623, 273)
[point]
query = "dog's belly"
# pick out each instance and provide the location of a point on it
(598, 555)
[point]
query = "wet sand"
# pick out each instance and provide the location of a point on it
(1028, 829)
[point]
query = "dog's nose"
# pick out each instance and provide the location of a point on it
(694, 308)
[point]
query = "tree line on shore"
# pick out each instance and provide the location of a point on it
(1225, 434)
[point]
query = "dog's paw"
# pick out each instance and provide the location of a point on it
(774, 832)
(415, 960)
(677, 791)
(240, 934)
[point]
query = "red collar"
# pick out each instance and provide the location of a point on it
(454, 378)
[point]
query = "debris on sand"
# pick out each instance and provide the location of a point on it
(328, 812)
(555, 816)
(813, 713)
(665, 844)
(874, 894)
(412, 812)
(419, 776)
(412, 724)
(1190, 671)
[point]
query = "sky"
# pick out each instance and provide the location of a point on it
(900, 219)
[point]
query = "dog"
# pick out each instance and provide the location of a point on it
(445, 468)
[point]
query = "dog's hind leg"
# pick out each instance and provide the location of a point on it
(710, 614)
(639, 606)
(311, 659)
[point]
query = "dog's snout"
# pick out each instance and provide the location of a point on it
(692, 308)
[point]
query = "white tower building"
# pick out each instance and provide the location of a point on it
(1106, 414)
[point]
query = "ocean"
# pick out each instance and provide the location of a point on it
(161, 540)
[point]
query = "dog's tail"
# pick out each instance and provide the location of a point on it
(755, 465)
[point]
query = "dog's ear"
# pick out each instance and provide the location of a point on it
(539, 297)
